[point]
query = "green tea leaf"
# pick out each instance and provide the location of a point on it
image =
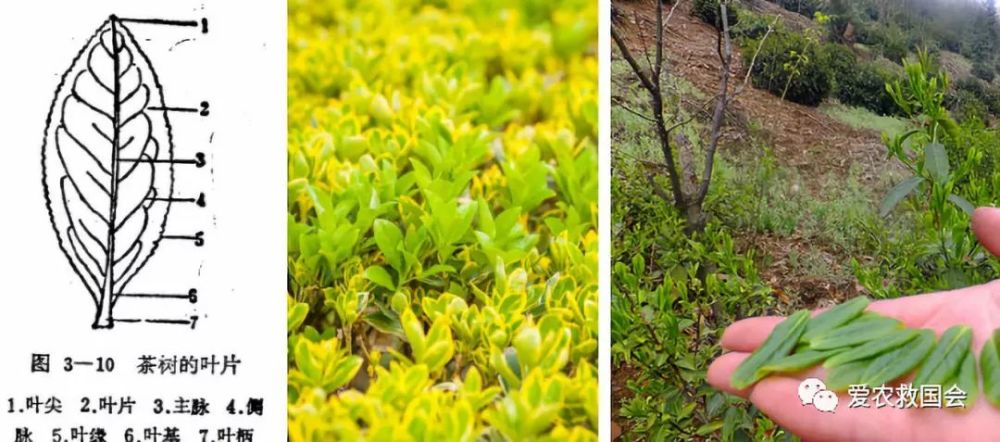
(872, 348)
(936, 162)
(797, 361)
(710, 427)
(962, 203)
(989, 364)
(843, 376)
(835, 317)
(897, 194)
(946, 359)
(855, 333)
(896, 363)
(967, 379)
(777, 345)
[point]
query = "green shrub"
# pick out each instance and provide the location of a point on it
(894, 46)
(966, 105)
(789, 56)
(980, 146)
(804, 7)
(666, 319)
(943, 190)
(840, 59)
(968, 91)
(864, 86)
(752, 25)
(992, 100)
(708, 12)
(971, 85)
(983, 71)
(889, 41)
(867, 34)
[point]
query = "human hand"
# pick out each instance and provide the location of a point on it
(777, 395)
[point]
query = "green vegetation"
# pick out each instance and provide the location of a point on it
(863, 46)
(710, 12)
(989, 363)
(782, 236)
(896, 27)
(442, 268)
(942, 183)
(804, 7)
(864, 85)
(983, 71)
(666, 309)
(791, 66)
(776, 347)
(861, 118)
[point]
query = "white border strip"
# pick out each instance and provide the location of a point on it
(604, 217)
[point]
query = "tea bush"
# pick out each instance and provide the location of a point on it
(794, 57)
(666, 321)
(983, 71)
(988, 94)
(804, 7)
(889, 40)
(967, 106)
(667, 317)
(442, 268)
(840, 59)
(708, 11)
(671, 297)
(864, 86)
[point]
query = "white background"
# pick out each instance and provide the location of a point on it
(240, 68)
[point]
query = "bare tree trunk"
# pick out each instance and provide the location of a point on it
(687, 194)
(694, 219)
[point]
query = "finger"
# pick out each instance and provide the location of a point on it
(778, 398)
(986, 224)
(747, 334)
(720, 373)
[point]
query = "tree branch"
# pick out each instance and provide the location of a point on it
(679, 124)
(661, 25)
(652, 85)
(635, 112)
(627, 54)
(645, 47)
(725, 49)
(753, 61)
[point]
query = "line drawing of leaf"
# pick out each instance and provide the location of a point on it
(107, 164)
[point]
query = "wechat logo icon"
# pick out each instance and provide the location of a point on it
(812, 391)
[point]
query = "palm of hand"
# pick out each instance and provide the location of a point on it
(777, 396)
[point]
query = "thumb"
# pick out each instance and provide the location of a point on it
(986, 224)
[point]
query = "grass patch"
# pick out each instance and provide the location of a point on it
(861, 118)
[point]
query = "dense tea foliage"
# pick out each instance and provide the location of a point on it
(442, 221)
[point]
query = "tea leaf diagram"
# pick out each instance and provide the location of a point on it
(108, 165)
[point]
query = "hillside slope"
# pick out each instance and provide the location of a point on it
(802, 137)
